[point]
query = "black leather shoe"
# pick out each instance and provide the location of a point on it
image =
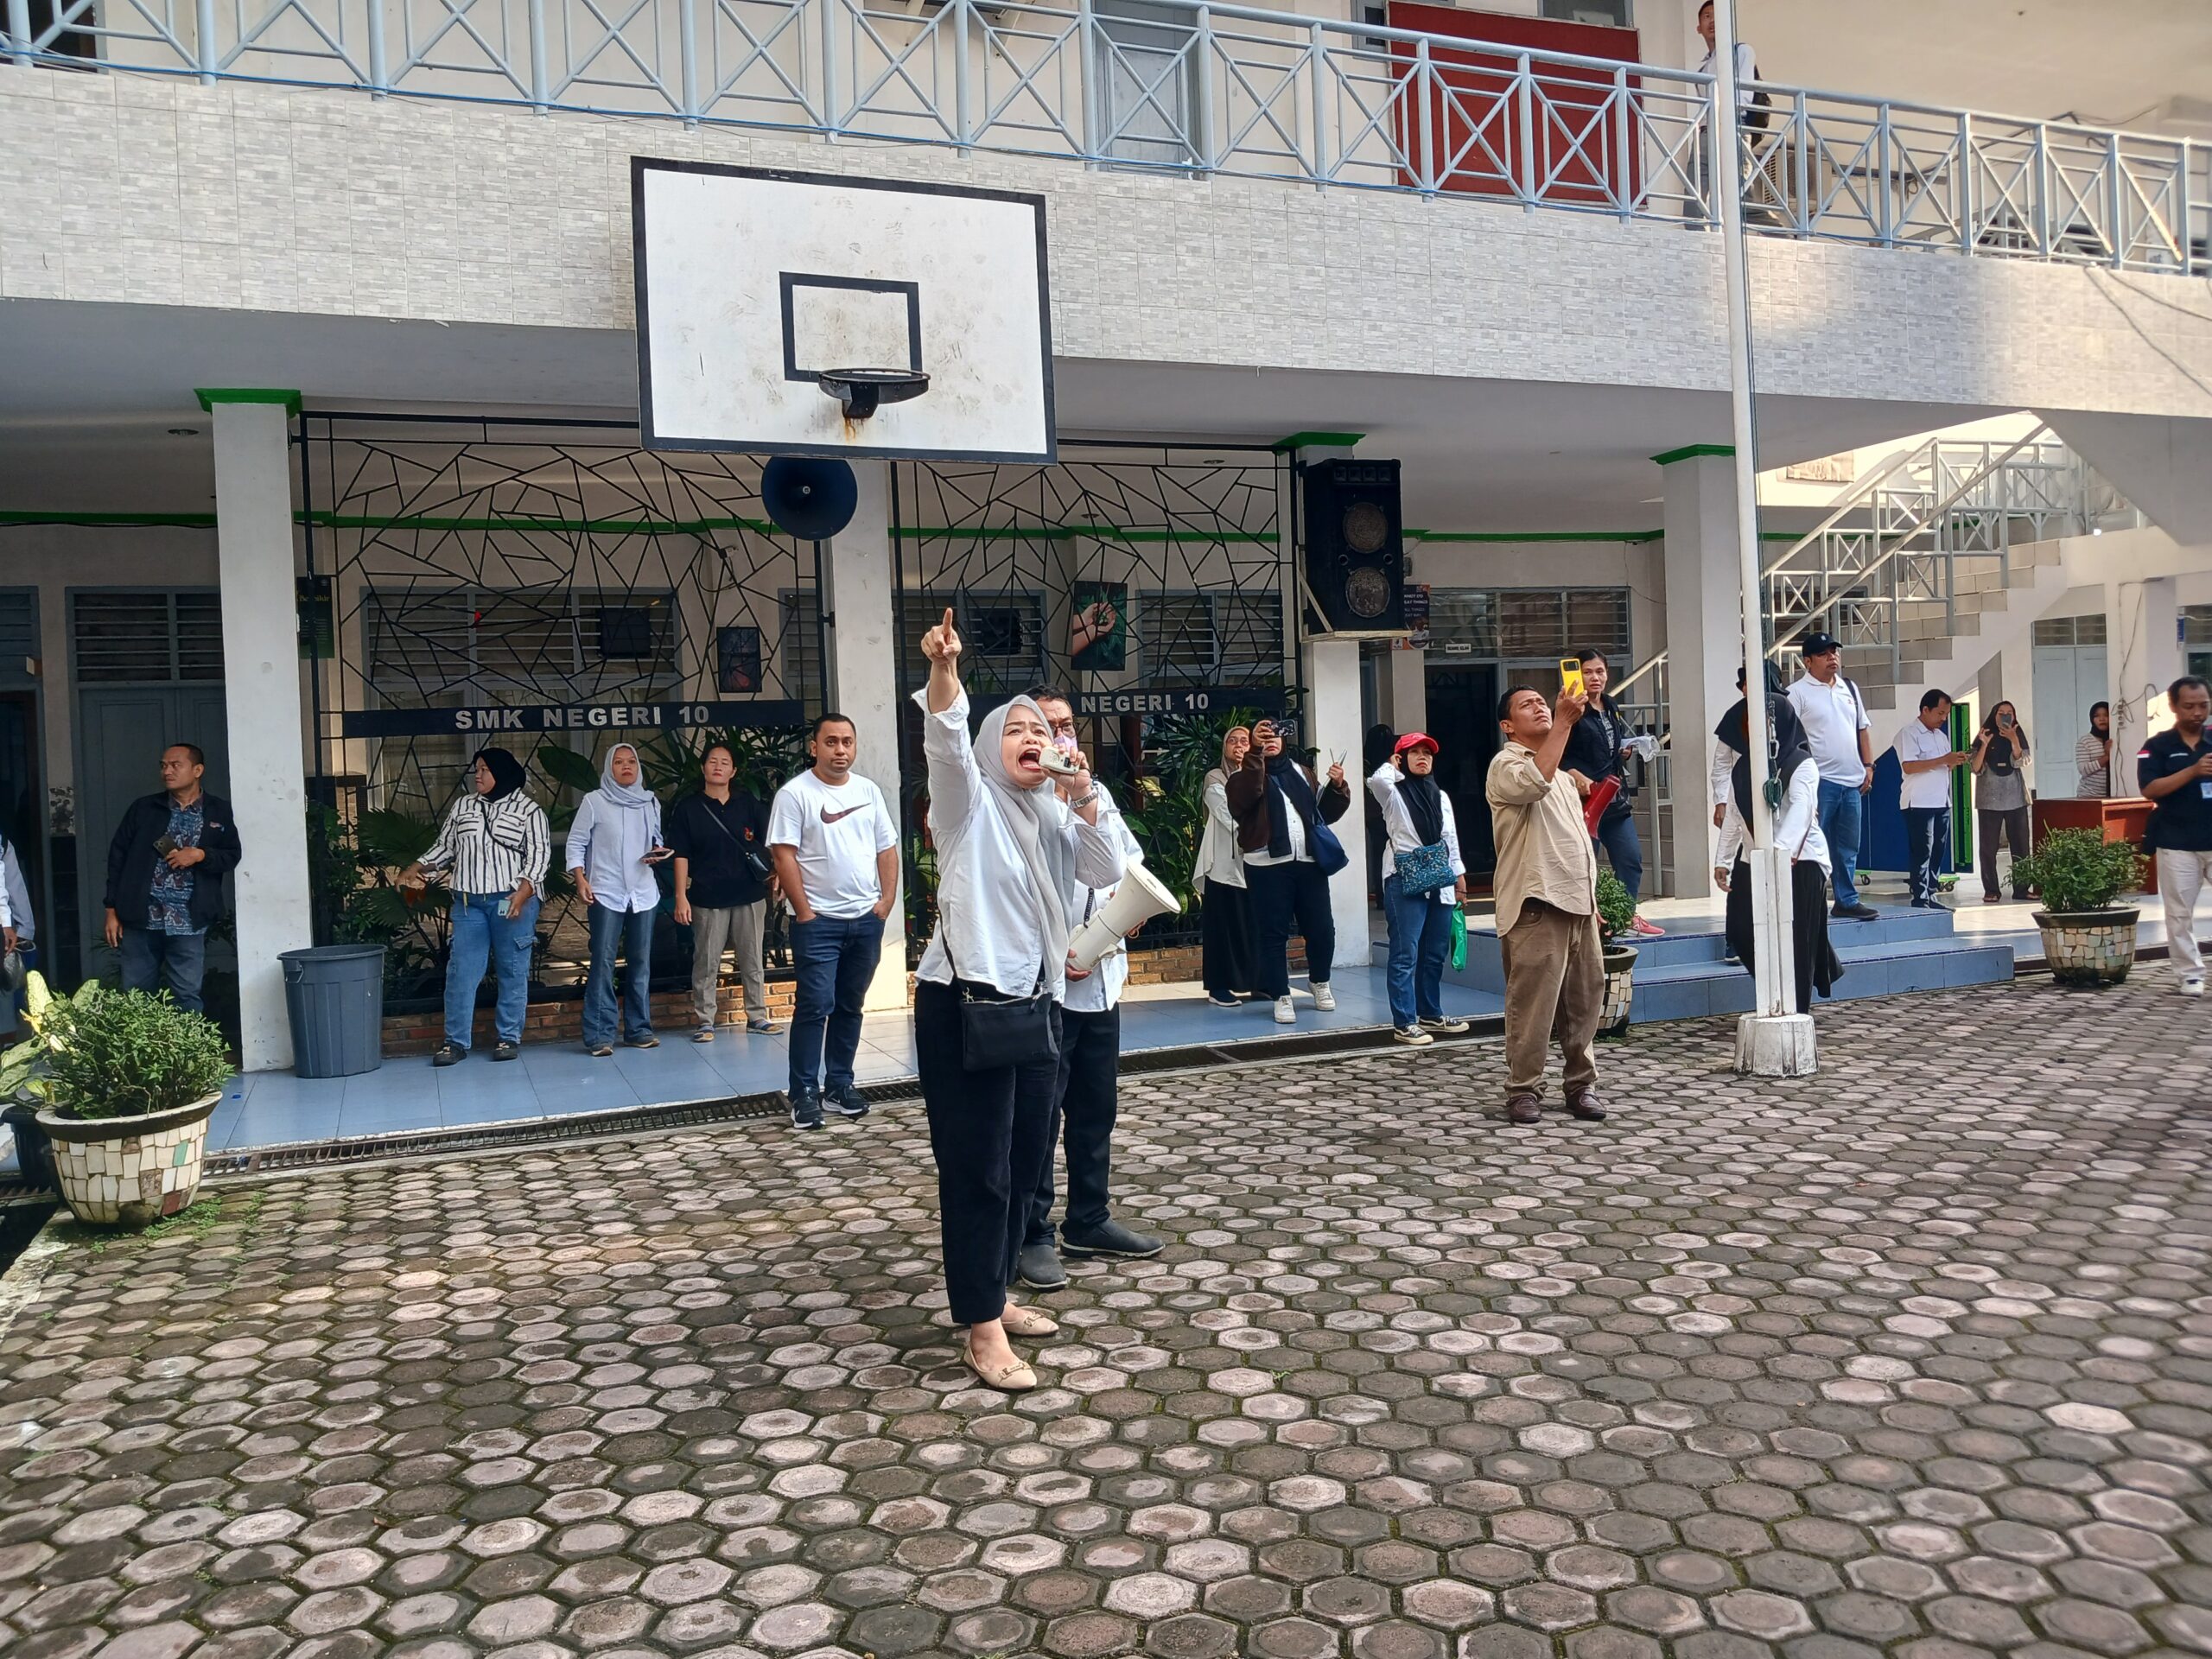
(507, 1051)
(448, 1054)
(1109, 1237)
(1039, 1266)
(1523, 1109)
(1583, 1103)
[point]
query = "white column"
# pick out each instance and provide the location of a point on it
(2143, 657)
(1332, 695)
(260, 696)
(862, 678)
(1704, 643)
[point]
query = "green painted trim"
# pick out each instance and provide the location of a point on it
(211, 396)
(1317, 441)
(1492, 535)
(1690, 451)
(113, 520)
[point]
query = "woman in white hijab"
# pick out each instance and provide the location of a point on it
(614, 844)
(1007, 836)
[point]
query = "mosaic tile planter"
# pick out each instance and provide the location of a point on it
(130, 1172)
(2090, 948)
(1620, 965)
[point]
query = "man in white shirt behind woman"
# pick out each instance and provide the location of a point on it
(1421, 841)
(1090, 1062)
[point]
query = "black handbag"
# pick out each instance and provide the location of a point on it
(997, 1030)
(762, 870)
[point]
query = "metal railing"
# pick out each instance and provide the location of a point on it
(1193, 89)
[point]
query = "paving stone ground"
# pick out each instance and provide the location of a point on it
(1915, 1357)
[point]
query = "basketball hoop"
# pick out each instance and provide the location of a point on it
(859, 392)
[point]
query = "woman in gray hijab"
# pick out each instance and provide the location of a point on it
(614, 844)
(1008, 836)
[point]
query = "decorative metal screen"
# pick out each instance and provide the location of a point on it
(1153, 574)
(511, 566)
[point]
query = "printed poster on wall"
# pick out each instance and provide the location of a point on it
(737, 652)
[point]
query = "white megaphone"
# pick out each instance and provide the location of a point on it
(1138, 899)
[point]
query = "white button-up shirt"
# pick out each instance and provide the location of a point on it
(1932, 788)
(1100, 988)
(1833, 715)
(1400, 836)
(609, 844)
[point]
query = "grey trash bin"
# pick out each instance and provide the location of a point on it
(335, 996)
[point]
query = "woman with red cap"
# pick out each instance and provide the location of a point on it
(1423, 878)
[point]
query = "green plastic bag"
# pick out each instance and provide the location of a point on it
(1458, 936)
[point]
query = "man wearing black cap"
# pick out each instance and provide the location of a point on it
(1836, 727)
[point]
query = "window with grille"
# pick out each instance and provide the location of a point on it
(150, 635)
(1002, 637)
(443, 647)
(2077, 630)
(798, 662)
(1234, 636)
(2196, 625)
(1534, 625)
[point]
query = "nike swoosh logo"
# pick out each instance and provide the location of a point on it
(828, 817)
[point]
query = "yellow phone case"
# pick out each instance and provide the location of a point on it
(1570, 676)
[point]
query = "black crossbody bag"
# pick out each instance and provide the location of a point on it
(997, 1030)
(762, 870)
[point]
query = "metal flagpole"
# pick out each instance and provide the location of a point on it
(1773, 1040)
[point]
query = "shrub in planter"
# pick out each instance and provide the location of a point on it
(126, 1082)
(2087, 938)
(1616, 911)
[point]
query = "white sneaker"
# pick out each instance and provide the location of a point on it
(1411, 1036)
(1284, 1014)
(2192, 984)
(1325, 999)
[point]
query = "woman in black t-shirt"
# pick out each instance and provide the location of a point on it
(719, 835)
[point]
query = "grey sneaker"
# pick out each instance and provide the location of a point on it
(1039, 1266)
(1109, 1237)
(806, 1109)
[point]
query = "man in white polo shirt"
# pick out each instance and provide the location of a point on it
(836, 851)
(1836, 726)
(1928, 757)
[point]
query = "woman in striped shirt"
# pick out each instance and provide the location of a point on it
(496, 843)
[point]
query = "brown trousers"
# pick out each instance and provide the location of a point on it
(1555, 990)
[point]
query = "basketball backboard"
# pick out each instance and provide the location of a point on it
(752, 283)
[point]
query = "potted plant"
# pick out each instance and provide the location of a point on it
(1616, 912)
(126, 1082)
(2087, 938)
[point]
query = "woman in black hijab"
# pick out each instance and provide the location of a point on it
(496, 842)
(1796, 782)
(1281, 815)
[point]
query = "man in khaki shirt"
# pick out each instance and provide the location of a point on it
(1547, 887)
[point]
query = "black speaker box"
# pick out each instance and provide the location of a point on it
(1355, 546)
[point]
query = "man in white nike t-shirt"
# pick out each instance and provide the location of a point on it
(836, 851)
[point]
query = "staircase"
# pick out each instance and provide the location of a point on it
(1922, 566)
(1682, 975)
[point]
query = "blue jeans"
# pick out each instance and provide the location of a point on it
(483, 936)
(177, 960)
(632, 931)
(834, 957)
(1618, 841)
(1420, 938)
(1926, 833)
(1841, 815)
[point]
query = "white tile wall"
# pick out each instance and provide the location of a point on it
(265, 199)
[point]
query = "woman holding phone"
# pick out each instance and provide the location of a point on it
(2000, 793)
(613, 846)
(1226, 948)
(1012, 835)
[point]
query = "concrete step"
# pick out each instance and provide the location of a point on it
(1700, 949)
(1868, 970)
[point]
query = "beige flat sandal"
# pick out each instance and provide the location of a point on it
(1013, 1377)
(1027, 1322)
